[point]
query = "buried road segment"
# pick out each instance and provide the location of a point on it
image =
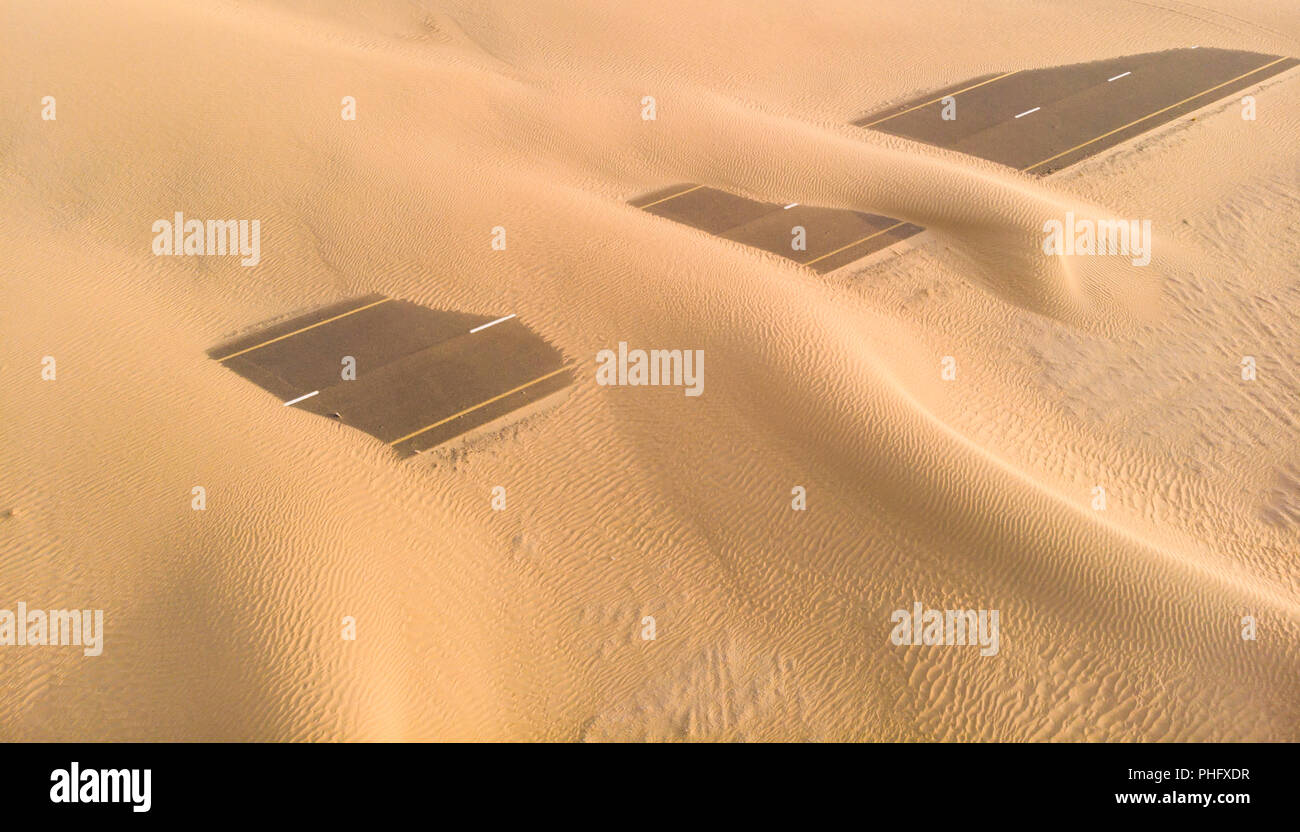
(1037, 121)
(422, 376)
(833, 237)
(1040, 121)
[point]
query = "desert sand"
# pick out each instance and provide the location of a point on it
(626, 503)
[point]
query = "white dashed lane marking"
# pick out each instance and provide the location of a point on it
(491, 323)
(300, 398)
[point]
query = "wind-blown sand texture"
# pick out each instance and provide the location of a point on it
(628, 502)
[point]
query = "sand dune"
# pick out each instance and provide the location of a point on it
(627, 503)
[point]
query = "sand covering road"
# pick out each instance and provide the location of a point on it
(625, 503)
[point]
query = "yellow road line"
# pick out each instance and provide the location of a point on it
(480, 404)
(674, 196)
(855, 242)
(940, 98)
(1156, 113)
(304, 329)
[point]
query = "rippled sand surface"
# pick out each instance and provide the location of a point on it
(627, 503)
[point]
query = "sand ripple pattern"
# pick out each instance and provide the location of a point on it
(632, 504)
